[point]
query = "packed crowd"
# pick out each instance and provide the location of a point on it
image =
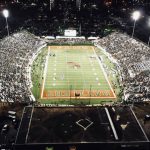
(70, 41)
(15, 53)
(19, 49)
(142, 66)
(128, 52)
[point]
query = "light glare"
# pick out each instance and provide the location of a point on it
(136, 15)
(5, 13)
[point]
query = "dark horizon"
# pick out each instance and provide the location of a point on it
(90, 18)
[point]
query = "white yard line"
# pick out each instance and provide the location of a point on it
(111, 124)
(20, 125)
(93, 69)
(93, 81)
(104, 73)
(67, 73)
(139, 123)
(88, 54)
(45, 72)
(82, 75)
(29, 124)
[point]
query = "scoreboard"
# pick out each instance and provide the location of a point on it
(70, 33)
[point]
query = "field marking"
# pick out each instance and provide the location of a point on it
(75, 83)
(20, 124)
(97, 78)
(111, 124)
(68, 97)
(90, 81)
(73, 79)
(29, 124)
(104, 72)
(67, 71)
(139, 123)
(45, 71)
(72, 47)
(83, 80)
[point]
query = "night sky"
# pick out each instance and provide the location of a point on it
(92, 17)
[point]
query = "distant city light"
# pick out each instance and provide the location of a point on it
(6, 13)
(136, 15)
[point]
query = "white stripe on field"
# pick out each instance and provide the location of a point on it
(104, 73)
(45, 72)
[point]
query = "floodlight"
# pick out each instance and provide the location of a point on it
(6, 13)
(136, 15)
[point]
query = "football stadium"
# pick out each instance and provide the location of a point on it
(76, 59)
(74, 75)
(67, 74)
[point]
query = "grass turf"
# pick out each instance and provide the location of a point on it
(75, 68)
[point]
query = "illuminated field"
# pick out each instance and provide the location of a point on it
(74, 71)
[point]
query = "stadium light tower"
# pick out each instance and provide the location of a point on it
(136, 15)
(149, 27)
(6, 15)
(51, 3)
(78, 4)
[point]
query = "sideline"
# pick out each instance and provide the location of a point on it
(45, 71)
(104, 73)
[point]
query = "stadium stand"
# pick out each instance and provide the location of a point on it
(62, 41)
(130, 53)
(16, 52)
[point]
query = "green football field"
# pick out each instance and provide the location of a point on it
(72, 71)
